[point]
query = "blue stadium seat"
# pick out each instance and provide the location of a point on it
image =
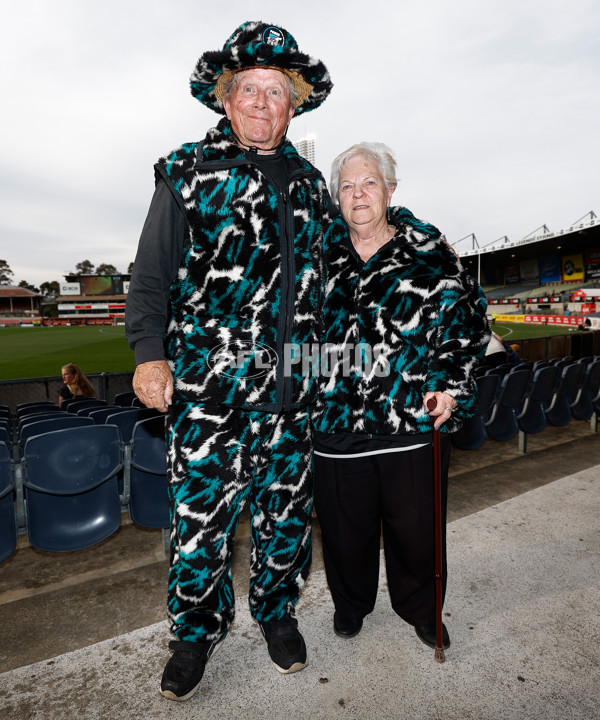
(8, 516)
(5, 436)
(126, 418)
(558, 412)
(77, 404)
(532, 413)
(582, 408)
(37, 409)
(540, 364)
(39, 427)
(85, 410)
(37, 417)
(99, 415)
(499, 370)
(124, 399)
(502, 423)
(32, 405)
(148, 499)
(473, 434)
(70, 482)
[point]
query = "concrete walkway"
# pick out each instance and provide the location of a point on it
(523, 611)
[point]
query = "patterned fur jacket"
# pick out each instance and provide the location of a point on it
(250, 284)
(408, 321)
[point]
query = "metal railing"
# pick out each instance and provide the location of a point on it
(14, 392)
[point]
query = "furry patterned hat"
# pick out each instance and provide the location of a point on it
(258, 44)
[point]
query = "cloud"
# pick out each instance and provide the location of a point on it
(491, 109)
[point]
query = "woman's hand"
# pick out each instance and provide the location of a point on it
(440, 406)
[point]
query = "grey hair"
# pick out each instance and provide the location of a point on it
(228, 85)
(378, 152)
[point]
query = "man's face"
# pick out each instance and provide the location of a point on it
(259, 107)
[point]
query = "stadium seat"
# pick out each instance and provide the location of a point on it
(558, 412)
(582, 408)
(87, 410)
(77, 404)
(148, 498)
(99, 415)
(36, 417)
(499, 370)
(531, 418)
(540, 364)
(124, 399)
(36, 403)
(126, 418)
(39, 427)
(70, 482)
(502, 423)
(37, 409)
(473, 434)
(5, 436)
(8, 516)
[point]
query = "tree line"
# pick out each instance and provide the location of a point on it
(52, 288)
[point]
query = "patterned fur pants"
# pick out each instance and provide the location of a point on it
(218, 459)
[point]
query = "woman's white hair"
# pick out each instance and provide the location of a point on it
(378, 152)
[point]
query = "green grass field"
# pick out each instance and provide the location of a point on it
(521, 331)
(42, 351)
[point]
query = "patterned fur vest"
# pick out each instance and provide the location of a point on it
(408, 321)
(250, 283)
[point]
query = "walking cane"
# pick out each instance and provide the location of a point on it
(437, 462)
(437, 480)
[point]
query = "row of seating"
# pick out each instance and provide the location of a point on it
(68, 485)
(524, 401)
(67, 474)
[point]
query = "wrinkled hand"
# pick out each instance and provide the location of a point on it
(440, 406)
(153, 384)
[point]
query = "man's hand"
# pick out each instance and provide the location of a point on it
(440, 406)
(153, 384)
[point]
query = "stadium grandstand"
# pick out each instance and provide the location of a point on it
(18, 304)
(546, 277)
(92, 299)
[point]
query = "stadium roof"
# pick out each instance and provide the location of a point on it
(506, 244)
(11, 291)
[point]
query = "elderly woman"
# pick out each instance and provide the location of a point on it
(405, 326)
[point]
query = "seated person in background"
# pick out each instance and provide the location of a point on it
(513, 353)
(75, 384)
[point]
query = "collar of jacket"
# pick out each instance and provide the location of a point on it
(401, 217)
(220, 146)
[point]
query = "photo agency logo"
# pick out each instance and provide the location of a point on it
(248, 360)
(242, 360)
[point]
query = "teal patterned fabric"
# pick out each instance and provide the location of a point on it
(219, 459)
(421, 317)
(250, 281)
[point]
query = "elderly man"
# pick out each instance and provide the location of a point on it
(226, 281)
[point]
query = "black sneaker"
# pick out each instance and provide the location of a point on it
(182, 674)
(286, 646)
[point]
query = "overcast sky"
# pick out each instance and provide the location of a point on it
(491, 106)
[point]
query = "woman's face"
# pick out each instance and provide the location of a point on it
(67, 376)
(363, 195)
